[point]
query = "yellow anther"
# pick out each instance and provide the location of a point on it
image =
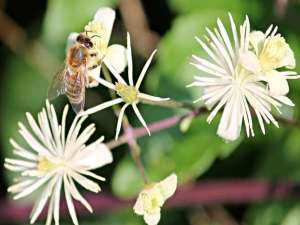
(45, 165)
(129, 94)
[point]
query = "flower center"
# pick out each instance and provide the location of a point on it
(152, 201)
(45, 165)
(274, 50)
(129, 94)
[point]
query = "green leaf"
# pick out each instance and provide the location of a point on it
(189, 155)
(234, 6)
(25, 90)
(287, 213)
(282, 157)
(63, 17)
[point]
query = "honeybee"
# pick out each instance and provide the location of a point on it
(73, 80)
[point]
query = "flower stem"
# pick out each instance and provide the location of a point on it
(130, 139)
(156, 127)
(235, 191)
(171, 104)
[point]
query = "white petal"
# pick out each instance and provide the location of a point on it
(138, 206)
(225, 38)
(75, 193)
(152, 219)
(50, 211)
(101, 106)
(92, 74)
(106, 17)
(28, 190)
(289, 60)
(85, 182)
(56, 194)
(103, 82)
(151, 98)
(129, 59)
(114, 71)
(20, 186)
(140, 117)
(257, 39)
(93, 157)
(70, 204)
(234, 33)
(250, 61)
(168, 186)
(120, 120)
(231, 121)
(284, 100)
(38, 207)
(144, 70)
(32, 142)
(116, 56)
(277, 83)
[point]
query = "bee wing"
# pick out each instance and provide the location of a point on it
(57, 86)
(81, 79)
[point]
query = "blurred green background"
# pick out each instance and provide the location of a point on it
(32, 48)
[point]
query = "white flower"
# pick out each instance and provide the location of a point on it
(129, 93)
(226, 83)
(55, 161)
(152, 198)
(269, 51)
(99, 30)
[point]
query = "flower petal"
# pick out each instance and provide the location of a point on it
(138, 206)
(106, 17)
(168, 186)
(289, 60)
(69, 201)
(116, 56)
(257, 39)
(277, 83)
(102, 106)
(152, 219)
(92, 74)
(93, 157)
(231, 120)
(250, 61)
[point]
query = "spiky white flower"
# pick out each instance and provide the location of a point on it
(226, 83)
(99, 30)
(152, 198)
(269, 52)
(129, 93)
(55, 161)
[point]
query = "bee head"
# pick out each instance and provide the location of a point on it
(85, 41)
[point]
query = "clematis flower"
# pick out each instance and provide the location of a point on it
(269, 52)
(128, 93)
(99, 30)
(227, 83)
(152, 198)
(53, 161)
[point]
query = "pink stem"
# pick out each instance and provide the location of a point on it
(206, 192)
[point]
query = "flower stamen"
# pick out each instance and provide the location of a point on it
(129, 94)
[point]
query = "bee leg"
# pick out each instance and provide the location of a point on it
(98, 63)
(93, 67)
(93, 54)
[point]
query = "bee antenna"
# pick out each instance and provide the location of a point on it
(96, 36)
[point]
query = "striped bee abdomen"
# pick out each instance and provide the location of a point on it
(75, 87)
